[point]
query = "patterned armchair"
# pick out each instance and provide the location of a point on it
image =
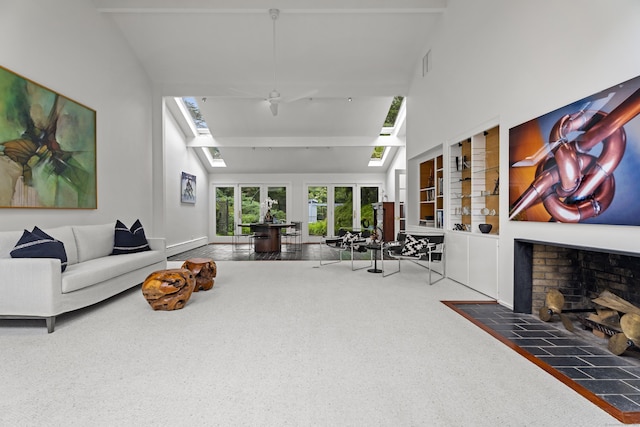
(347, 242)
(421, 249)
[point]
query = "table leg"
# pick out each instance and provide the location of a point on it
(375, 268)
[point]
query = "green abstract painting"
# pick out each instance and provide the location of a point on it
(47, 147)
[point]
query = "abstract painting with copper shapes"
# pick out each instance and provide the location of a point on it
(579, 163)
(47, 147)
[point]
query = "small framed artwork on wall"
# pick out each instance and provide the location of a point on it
(188, 188)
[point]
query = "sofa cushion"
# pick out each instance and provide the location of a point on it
(98, 270)
(93, 241)
(129, 241)
(38, 244)
(8, 241)
(65, 235)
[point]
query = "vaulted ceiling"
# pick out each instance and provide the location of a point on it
(327, 51)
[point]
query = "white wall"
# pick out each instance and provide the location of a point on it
(186, 224)
(512, 61)
(399, 161)
(71, 49)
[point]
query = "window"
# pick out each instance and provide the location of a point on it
(394, 109)
(196, 115)
(279, 209)
(212, 154)
(368, 196)
(225, 223)
(250, 205)
(378, 155)
(317, 196)
(378, 152)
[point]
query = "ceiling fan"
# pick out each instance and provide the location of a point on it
(274, 98)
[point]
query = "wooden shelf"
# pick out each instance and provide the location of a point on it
(474, 179)
(431, 192)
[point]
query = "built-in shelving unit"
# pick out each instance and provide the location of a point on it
(474, 182)
(401, 193)
(432, 193)
(473, 178)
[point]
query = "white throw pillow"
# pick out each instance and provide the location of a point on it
(93, 241)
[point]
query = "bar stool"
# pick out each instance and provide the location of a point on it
(237, 237)
(294, 234)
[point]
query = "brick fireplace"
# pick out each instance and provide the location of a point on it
(580, 273)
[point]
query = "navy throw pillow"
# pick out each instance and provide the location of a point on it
(129, 241)
(38, 244)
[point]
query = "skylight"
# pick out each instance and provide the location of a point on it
(194, 111)
(191, 112)
(378, 154)
(214, 157)
(392, 115)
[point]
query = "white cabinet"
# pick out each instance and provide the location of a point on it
(457, 257)
(473, 261)
(483, 265)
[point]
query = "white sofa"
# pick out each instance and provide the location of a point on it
(36, 287)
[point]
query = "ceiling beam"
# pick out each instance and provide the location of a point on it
(347, 141)
(258, 6)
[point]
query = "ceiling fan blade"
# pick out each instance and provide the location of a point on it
(301, 96)
(274, 108)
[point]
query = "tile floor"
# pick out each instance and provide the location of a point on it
(580, 356)
(242, 252)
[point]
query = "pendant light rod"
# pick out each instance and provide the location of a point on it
(275, 13)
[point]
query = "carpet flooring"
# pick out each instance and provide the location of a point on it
(284, 343)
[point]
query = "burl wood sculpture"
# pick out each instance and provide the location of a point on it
(204, 269)
(168, 289)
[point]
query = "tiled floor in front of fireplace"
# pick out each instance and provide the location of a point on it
(580, 359)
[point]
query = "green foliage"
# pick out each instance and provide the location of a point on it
(318, 193)
(279, 194)
(390, 121)
(194, 111)
(343, 209)
(225, 223)
(377, 152)
(318, 228)
(366, 212)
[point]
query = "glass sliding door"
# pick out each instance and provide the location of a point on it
(237, 204)
(225, 211)
(249, 205)
(332, 207)
(368, 195)
(279, 209)
(343, 212)
(317, 210)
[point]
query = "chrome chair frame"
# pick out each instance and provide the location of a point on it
(433, 252)
(337, 243)
(239, 235)
(295, 235)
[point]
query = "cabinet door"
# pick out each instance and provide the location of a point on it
(483, 265)
(457, 253)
